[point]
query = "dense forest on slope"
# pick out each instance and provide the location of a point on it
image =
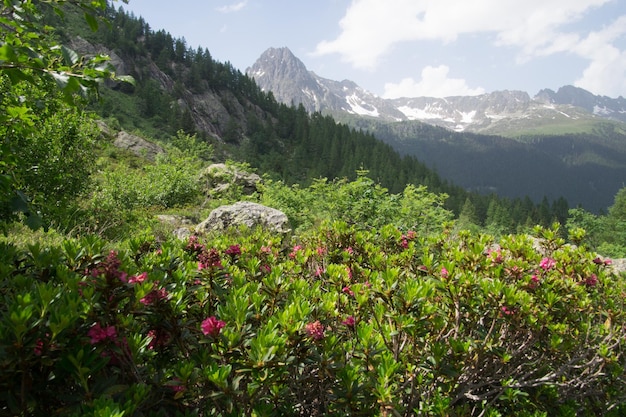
(180, 87)
(586, 169)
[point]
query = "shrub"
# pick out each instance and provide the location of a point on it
(346, 322)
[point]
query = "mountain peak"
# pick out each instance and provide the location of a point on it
(280, 71)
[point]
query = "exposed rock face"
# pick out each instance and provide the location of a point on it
(245, 213)
(612, 108)
(220, 178)
(279, 71)
(137, 145)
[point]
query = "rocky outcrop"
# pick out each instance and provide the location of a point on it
(137, 145)
(279, 71)
(247, 214)
(219, 179)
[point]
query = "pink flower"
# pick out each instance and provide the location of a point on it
(404, 242)
(547, 263)
(507, 311)
(319, 271)
(265, 268)
(349, 322)
(154, 296)
(495, 255)
(295, 251)
(315, 330)
(233, 250)
(211, 326)
(157, 338)
(138, 278)
(591, 281)
(349, 250)
(411, 234)
(347, 290)
(321, 251)
(534, 281)
(194, 246)
(266, 249)
(38, 349)
(444, 272)
(176, 385)
(209, 259)
(100, 334)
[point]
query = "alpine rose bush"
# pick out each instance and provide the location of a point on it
(344, 321)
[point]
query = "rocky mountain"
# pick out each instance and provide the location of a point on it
(499, 112)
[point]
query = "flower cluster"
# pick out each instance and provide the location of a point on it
(209, 259)
(315, 330)
(294, 251)
(154, 296)
(233, 251)
(109, 267)
(547, 263)
(98, 333)
(406, 238)
(212, 326)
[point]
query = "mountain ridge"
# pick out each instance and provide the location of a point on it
(280, 71)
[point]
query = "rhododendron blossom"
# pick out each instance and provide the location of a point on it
(592, 280)
(154, 296)
(315, 330)
(294, 251)
(347, 290)
(233, 250)
(138, 278)
(349, 322)
(212, 326)
(98, 333)
(208, 259)
(547, 263)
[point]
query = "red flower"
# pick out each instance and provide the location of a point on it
(138, 278)
(211, 326)
(507, 311)
(591, 281)
(38, 349)
(547, 263)
(208, 259)
(154, 296)
(315, 330)
(349, 322)
(347, 290)
(295, 251)
(233, 250)
(99, 334)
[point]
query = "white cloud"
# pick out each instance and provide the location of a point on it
(230, 8)
(534, 28)
(434, 83)
(606, 72)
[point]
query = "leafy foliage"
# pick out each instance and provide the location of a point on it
(348, 321)
(30, 59)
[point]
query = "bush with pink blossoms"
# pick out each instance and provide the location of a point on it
(441, 326)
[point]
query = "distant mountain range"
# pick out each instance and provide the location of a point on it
(499, 112)
(566, 143)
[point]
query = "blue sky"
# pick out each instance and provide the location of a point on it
(413, 48)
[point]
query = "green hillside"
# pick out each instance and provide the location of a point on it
(373, 297)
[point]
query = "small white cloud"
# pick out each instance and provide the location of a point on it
(230, 8)
(434, 83)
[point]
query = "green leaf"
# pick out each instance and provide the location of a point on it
(92, 21)
(69, 56)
